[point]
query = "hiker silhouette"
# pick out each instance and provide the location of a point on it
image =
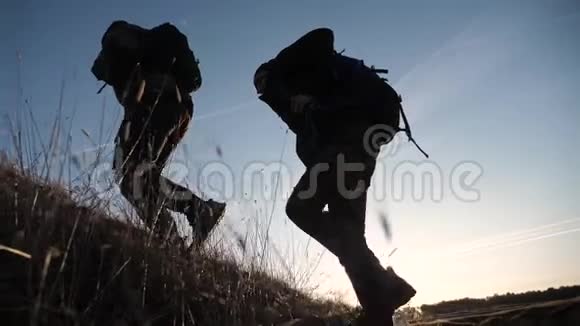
(330, 102)
(152, 72)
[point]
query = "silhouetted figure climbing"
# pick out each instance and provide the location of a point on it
(334, 104)
(153, 72)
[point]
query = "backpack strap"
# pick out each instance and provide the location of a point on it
(102, 87)
(407, 131)
(407, 128)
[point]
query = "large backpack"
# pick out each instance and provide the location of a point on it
(162, 49)
(380, 103)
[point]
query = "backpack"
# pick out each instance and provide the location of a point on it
(379, 100)
(162, 49)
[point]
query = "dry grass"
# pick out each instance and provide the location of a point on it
(68, 258)
(67, 264)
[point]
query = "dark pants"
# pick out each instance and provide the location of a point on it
(146, 138)
(340, 179)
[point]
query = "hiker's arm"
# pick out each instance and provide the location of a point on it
(278, 95)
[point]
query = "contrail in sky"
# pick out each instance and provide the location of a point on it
(518, 237)
(239, 107)
(233, 109)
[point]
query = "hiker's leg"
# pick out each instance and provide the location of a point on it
(306, 203)
(359, 262)
(124, 162)
(355, 256)
(170, 128)
(139, 175)
(341, 229)
(202, 215)
(348, 216)
(179, 198)
(138, 186)
(380, 291)
(160, 219)
(348, 206)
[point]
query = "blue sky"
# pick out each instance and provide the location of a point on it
(490, 82)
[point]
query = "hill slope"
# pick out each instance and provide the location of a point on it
(64, 264)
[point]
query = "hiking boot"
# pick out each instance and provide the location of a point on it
(380, 295)
(366, 320)
(402, 292)
(205, 219)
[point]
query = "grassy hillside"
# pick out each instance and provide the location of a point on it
(67, 264)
